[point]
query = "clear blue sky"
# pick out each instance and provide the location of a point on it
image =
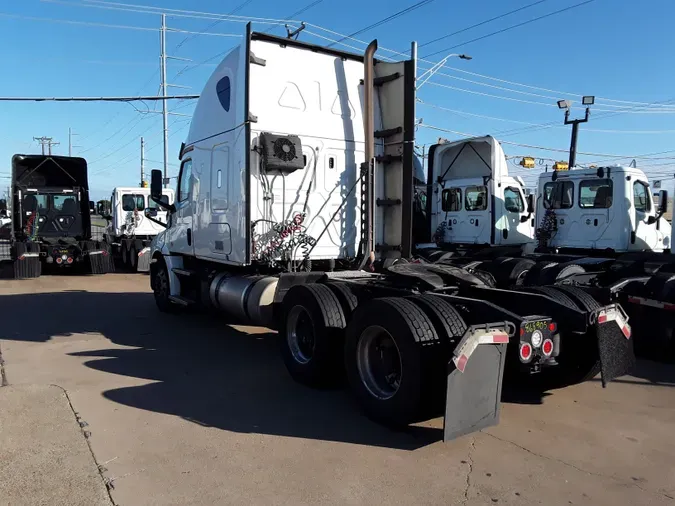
(614, 49)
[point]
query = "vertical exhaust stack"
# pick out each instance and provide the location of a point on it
(369, 133)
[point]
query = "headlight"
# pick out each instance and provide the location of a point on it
(537, 338)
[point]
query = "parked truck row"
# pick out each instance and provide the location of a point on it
(295, 208)
(597, 228)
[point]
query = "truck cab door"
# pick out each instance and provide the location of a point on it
(645, 236)
(511, 229)
(180, 231)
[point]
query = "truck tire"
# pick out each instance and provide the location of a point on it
(384, 360)
(447, 321)
(133, 258)
(554, 273)
(581, 363)
(659, 285)
(26, 267)
(161, 289)
(534, 276)
(343, 292)
(311, 335)
(507, 271)
(554, 294)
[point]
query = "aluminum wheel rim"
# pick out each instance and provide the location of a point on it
(300, 334)
(378, 360)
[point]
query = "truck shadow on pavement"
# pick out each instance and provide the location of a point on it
(203, 370)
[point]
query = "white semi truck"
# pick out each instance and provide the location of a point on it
(294, 210)
(134, 220)
(595, 227)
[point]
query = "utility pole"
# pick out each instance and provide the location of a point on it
(142, 161)
(70, 141)
(46, 141)
(165, 112)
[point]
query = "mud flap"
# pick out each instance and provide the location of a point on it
(615, 346)
(143, 260)
(474, 383)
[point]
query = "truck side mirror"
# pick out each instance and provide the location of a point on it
(663, 202)
(530, 208)
(156, 184)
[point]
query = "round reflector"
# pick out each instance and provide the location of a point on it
(70, 260)
(525, 352)
(547, 347)
(58, 260)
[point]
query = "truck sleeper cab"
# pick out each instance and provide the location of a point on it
(294, 211)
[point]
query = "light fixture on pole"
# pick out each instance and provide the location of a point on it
(587, 100)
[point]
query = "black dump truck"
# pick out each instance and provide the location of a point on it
(50, 223)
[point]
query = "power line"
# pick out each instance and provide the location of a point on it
(296, 13)
(179, 13)
(483, 23)
(543, 148)
(556, 125)
(518, 25)
(215, 23)
(96, 99)
(400, 13)
(399, 53)
(223, 53)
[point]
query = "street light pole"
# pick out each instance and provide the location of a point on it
(438, 66)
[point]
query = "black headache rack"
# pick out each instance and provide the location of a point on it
(34, 175)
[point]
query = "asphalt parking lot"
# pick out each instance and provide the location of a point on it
(140, 408)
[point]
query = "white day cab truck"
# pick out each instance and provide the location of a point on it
(294, 211)
(595, 228)
(134, 220)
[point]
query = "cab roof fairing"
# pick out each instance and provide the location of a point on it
(470, 158)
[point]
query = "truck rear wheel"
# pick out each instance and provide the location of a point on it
(507, 271)
(579, 358)
(384, 361)
(311, 335)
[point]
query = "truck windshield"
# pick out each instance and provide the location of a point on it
(559, 195)
(153, 205)
(65, 203)
(133, 201)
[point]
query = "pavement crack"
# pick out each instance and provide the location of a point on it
(87, 434)
(469, 458)
(577, 468)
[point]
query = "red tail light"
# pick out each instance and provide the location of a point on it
(59, 260)
(70, 260)
(552, 327)
(547, 347)
(525, 352)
